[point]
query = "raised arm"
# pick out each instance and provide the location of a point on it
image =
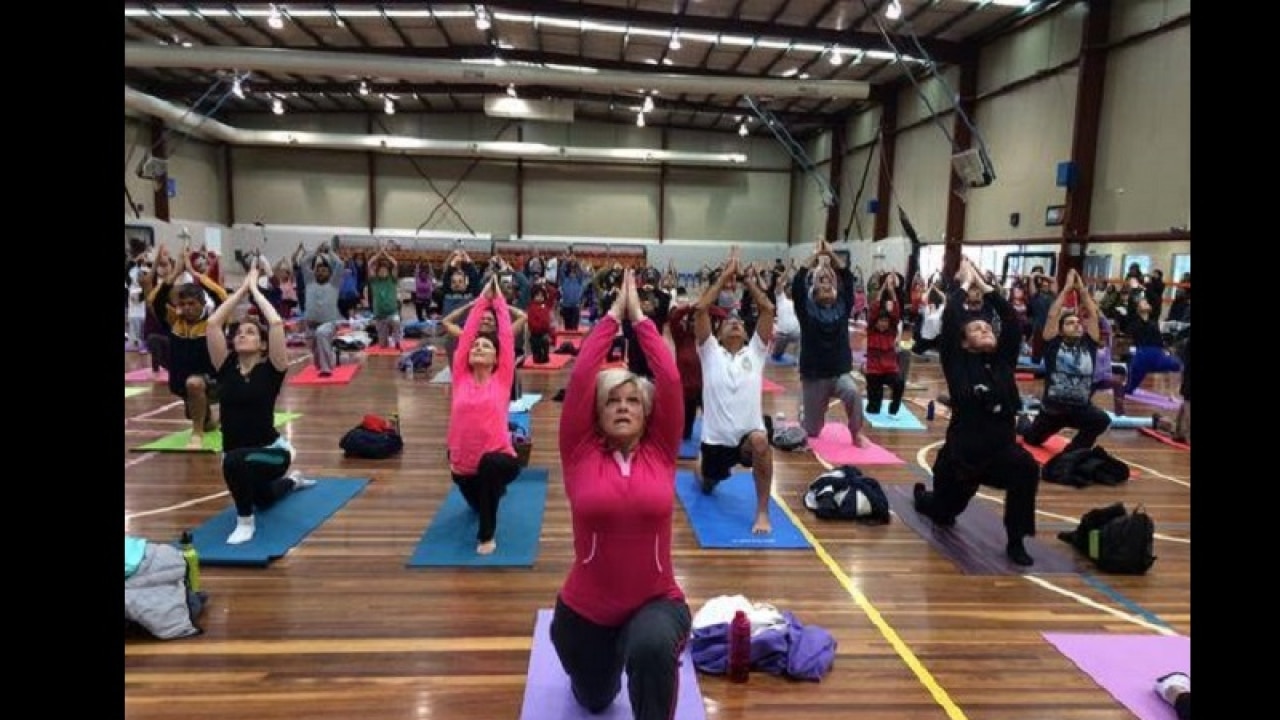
(215, 330)
(578, 417)
(666, 421)
(277, 343)
(505, 370)
(764, 321)
(462, 353)
(450, 321)
(701, 308)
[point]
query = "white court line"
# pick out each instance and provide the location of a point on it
(920, 460)
(1099, 606)
(179, 506)
(141, 458)
(157, 411)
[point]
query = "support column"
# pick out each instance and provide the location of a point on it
(373, 179)
(662, 192)
(884, 178)
(839, 145)
(520, 185)
(228, 186)
(160, 186)
(962, 138)
(1084, 137)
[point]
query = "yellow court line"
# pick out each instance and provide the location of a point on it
(926, 678)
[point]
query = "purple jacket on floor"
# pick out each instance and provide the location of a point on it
(794, 650)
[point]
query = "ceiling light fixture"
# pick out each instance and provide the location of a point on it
(742, 130)
(364, 87)
(639, 119)
(482, 18)
(894, 11)
(511, 91)
(237, 88)
(675, 40)
(277, 106)
(836, 58)
(275, 19)
(388, 106)
(648, 104)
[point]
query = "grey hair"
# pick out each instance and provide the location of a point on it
(612, 378)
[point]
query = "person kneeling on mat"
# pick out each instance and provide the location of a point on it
(981, 447)
(621, 606)
(256, 457)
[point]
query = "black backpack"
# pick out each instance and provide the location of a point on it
(1086, 466)
(362, 442)
(1115, 540)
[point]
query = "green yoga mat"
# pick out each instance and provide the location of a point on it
(177, 442)
(131, 391)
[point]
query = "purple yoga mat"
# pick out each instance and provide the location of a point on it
(547, 695)
(1126, 666)
(1146, 397)
(976, 542)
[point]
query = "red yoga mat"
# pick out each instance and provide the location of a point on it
(554, 362)
(1164, 438)
(342, 375)
(770, 386)
(405, 346)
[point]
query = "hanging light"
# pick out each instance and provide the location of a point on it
(742, 130)
(639, 119)
(648, 104)
(511, 91)
(275, 19)
(835, 58)
(364, 87)
(277, 106)
(675, 40)
(388, 106)
(894, 11)
(482, 18)
(237, 88)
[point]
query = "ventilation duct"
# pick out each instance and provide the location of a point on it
(356, 65)
(186, 120)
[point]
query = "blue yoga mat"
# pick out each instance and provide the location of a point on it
(450, 539)
(723, 519)
(521, 420)
(525, 403)
(904, 420)
(278, 528)
(689, 448)
(1128, 422)
(784, 361)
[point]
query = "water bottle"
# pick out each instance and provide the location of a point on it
(739, 648)
(929, 411)
(193, 562)
(408, 370)
(395, 422)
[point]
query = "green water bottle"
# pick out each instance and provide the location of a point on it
(193, 562)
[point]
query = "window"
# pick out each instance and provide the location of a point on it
(1143, 262)
(1181, 266)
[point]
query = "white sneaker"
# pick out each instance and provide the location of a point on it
(300, 482)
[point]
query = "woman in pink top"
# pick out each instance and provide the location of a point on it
(620, 608)
(481, 457)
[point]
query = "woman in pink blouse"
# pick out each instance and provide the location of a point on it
(621, 608)
(481, 457)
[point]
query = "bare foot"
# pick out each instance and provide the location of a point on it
(762, 526)
(487, 547)
(195, 442)
(861, 440)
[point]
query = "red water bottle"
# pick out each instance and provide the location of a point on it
(739, 648)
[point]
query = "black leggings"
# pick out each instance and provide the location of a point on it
(158, 347)
(256, 477)
(876, 384)
(1182, 706)
(692, 401)
(956, 481)
(571, 316)
(485, 489)
(647, 646)
(540, 347)
(1089, 422)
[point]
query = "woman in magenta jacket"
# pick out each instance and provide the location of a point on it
(621, 608)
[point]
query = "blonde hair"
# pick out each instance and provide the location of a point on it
(612, 378)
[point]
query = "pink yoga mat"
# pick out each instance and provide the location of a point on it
(1126, 666)
(1146, 397)
(405, 346)
(342, 375)
(144, 375)
(547, 695)
(768, 385)
(835, 445)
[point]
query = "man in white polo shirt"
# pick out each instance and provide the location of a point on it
(733, 425)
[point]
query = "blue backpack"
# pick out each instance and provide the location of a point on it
(418, 358)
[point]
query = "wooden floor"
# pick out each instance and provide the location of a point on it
(339, 628)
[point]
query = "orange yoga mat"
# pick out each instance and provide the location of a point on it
(554, 362)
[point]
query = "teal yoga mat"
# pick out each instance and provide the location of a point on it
(450, 539)
(278, 528)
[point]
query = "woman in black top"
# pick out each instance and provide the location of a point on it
(255, 456)
(981, 447)
(1148, 352)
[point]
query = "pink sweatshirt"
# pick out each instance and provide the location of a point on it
(621, 507)
(478, 412)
